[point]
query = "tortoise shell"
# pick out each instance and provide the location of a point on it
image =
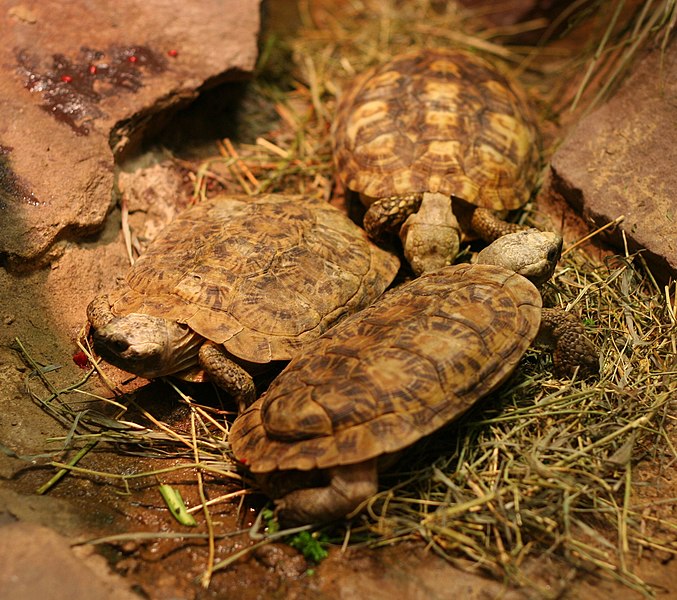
(442, 121)
(400, 369)
(262, 275)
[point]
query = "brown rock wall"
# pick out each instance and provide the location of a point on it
(80, 82)
(621, 160)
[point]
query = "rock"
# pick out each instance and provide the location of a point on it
(36, 562)
(282, 559)
(154, 195)
(81, 83)
(38, 510)
(622, 160)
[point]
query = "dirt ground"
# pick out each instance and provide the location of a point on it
(45, 311)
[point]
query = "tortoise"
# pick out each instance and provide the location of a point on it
(419, 357)
(235, 283)
(430, 126)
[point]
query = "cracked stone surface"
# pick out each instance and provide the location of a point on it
(63, 573)
(621, 160)
(80, 90)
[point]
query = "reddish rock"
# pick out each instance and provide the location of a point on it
(36, 562)
(622, 160)
(80, 83)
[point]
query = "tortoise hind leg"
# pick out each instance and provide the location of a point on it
(349, 486)
(563, 332)
(227, 374)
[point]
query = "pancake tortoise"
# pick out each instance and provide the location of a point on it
(416, 359)
(430, 126)
(235, 283)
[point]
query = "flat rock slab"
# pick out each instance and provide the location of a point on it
(622, 160)
(79, 84)
(36, 562)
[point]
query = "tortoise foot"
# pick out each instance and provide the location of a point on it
(573, 348)
(349, 486)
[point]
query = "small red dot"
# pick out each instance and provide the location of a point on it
(173, 53)
(66, 78)
(132, 59)
(80, 359)
(243, 461)
(92, 69)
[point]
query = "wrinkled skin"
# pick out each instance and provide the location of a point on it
(534, 255)
(343, 490)
(431, 236)
(529, 253)
(429, 229)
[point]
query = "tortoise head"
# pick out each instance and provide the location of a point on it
(147, 346)
(530, 253)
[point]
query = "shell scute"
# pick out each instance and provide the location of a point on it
(437, 121)
(261, 276)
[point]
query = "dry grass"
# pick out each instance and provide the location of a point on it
(544, 466)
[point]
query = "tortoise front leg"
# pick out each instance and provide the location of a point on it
(349, 486)
(99, 312)
(227, 374)
(387, 214)
(490, 227)
(562, 331)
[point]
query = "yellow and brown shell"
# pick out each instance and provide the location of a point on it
(400, 369)
(262, 275)
(442, 121)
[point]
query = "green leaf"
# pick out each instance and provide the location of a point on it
(176, 505)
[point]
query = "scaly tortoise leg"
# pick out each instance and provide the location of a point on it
(99, 312)
(562, 331)
(349, 486)
(388, 214)
(490, 227)
(227, 374)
